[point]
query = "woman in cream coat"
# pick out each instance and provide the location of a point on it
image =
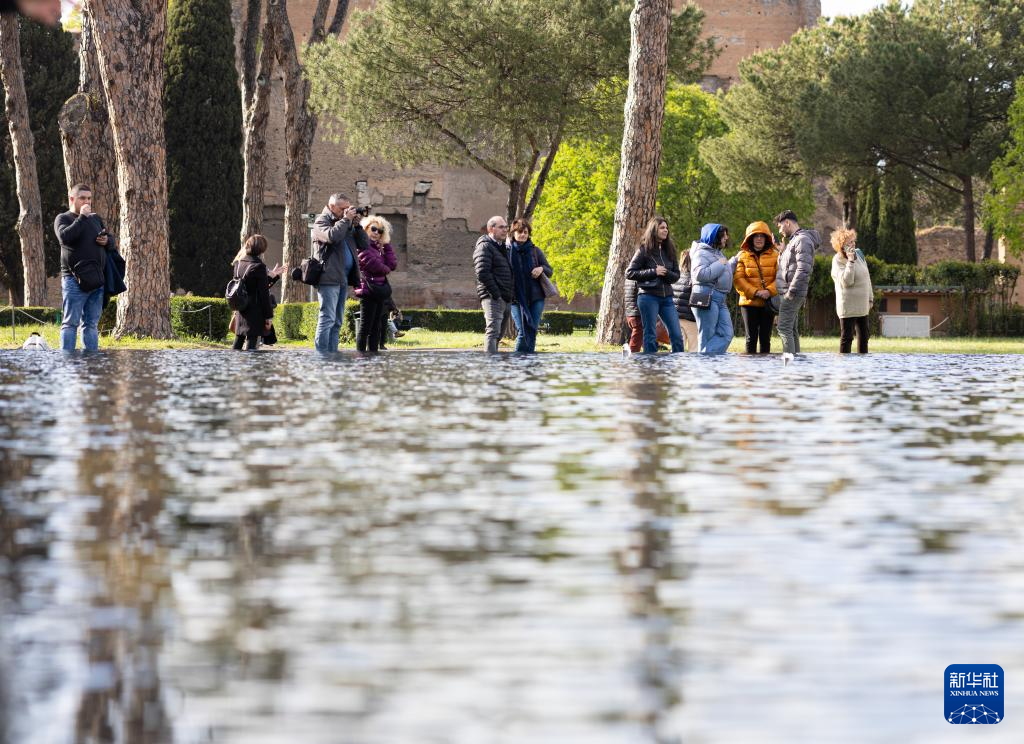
(854, 293)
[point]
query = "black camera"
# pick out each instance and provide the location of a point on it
(363, 211)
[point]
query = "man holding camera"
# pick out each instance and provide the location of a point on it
(337, 239)
(84, 242)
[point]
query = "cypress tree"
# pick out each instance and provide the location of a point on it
(867, 219)
(203, 127)
(50, 65)
(897, 236)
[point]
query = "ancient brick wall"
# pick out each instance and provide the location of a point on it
(442, 225)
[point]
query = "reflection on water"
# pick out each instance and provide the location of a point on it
(432, 547)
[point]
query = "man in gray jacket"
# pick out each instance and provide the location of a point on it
(793, 276)
(337, 239)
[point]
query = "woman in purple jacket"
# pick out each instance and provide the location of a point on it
(376, 261)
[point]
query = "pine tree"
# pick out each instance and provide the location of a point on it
(867, 219)
(203, 127)
(897, 239)
(50, 65)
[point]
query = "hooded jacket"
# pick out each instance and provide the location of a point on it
(751, 266)
(705, 255)
(796, 262)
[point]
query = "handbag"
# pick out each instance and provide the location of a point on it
(378, 292)
(772, 303)
(700, 296)
(548, 287)
(88, 275)
(312, 268)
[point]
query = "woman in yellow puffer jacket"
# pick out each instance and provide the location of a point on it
(755, 282)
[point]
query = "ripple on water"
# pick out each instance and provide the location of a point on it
(198, 546)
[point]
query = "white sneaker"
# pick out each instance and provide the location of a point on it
(626, 353)
(787, 357)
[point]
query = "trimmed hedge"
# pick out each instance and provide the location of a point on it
(188, 318)
(296, 321)
(45, 314)
(564, 323)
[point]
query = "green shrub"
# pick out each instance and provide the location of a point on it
(207, 317)
(108, 318)
(45, 314)
(563, 323)
(296, 321)
(451, 321)
(288, 321)
(1001, 321)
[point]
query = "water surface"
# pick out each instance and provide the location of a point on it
(198, 546)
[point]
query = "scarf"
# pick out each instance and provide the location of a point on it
(520, 255)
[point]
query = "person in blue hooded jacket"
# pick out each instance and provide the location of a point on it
(712, 274)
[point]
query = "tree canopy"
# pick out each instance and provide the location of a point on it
(1005, 205)
(924, 88)
(203, 126)
(495, 84)
(574, 220)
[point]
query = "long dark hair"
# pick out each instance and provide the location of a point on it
(650, 242)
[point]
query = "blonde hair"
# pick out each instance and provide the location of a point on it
(841, 237)
(255, 245)
(380, 222)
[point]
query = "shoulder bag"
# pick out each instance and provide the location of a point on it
(548, 287)
(772, 303)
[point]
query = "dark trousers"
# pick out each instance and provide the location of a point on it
(758, 324)
(251, 342)
(846, 328)
(370, 313)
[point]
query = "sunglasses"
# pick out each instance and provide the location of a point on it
(375, 229)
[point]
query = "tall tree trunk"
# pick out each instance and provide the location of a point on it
(641, 155)
(85, 134)
(512, 203)
(300, 129)
(130, 48)
(542, 177)
(990, 241)
(971, 251)
(256, 90)
(30, 222)
(850, 207)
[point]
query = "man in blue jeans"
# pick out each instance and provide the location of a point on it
(84, 242)
(337, 239)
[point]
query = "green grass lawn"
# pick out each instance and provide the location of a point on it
(421, 339)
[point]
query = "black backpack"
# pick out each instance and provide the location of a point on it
(236, 294)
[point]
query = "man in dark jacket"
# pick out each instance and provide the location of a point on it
(337, 239)
(793, 276)
(84, 242)
(493, 278)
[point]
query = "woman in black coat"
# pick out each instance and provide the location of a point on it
(655, 268)
(257, 319)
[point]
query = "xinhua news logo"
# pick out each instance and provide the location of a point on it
(974, 693)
